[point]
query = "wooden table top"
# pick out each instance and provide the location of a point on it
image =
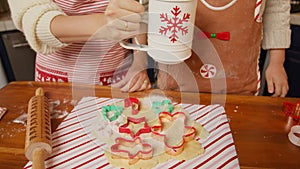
(258, 125)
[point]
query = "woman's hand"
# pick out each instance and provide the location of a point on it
(136, 79)
(123, 18)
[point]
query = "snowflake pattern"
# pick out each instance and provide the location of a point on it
(174, 24)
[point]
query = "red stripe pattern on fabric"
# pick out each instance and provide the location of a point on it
(100, 62)
(74, 148)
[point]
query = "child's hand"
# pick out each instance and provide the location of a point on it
(277, 81)
(275, 74)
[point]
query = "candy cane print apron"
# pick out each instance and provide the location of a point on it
(235, 34)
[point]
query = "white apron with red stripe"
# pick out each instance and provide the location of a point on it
(95, 62)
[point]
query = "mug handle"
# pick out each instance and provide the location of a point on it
(136, 46)
(132, 46)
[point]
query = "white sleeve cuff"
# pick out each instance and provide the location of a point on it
(277, 39)
(36, 27)
(44, 34)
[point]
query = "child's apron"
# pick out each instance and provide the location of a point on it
(218, 65)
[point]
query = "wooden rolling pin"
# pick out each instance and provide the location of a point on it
(38, 130)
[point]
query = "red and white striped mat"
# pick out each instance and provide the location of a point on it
(74, 148)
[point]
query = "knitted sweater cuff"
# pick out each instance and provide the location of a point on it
(33, 18)
(277, 39)
(49, 42)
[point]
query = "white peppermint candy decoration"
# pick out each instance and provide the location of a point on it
(208, 71)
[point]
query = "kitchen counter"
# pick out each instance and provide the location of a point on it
(259, 126)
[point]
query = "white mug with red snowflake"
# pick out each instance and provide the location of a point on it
(170, 30)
